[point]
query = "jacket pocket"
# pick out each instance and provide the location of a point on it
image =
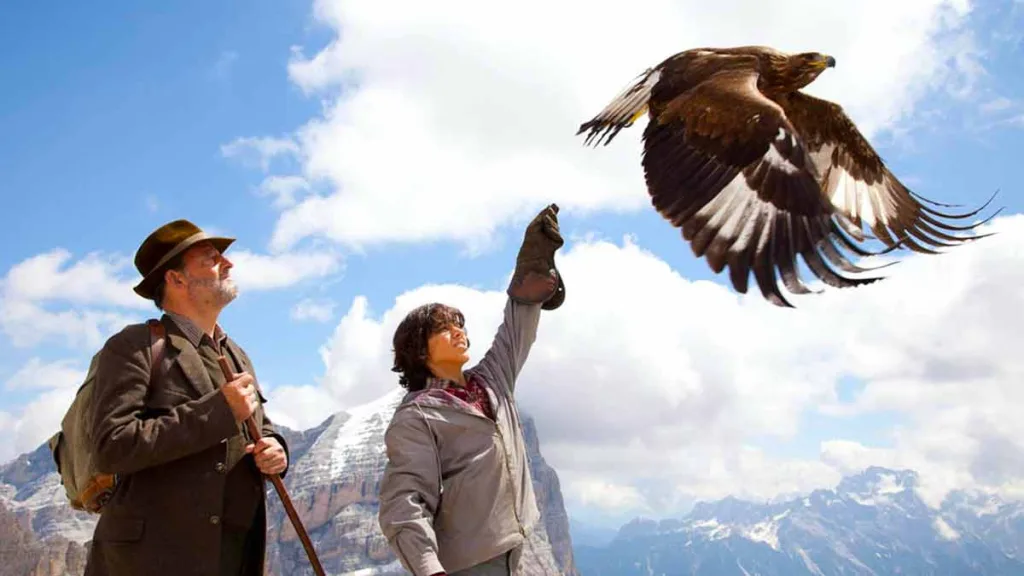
(449, 503)
(119, 529)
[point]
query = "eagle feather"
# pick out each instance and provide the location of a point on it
(756, 173)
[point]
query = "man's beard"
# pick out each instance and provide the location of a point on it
(221, 290)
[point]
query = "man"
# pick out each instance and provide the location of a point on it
(456, 497)
(191, 494)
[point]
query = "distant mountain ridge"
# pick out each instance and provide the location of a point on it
(333, 482)
(873, 523)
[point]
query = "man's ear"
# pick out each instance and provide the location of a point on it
(174, 277)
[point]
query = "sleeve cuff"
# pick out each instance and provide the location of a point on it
(423, 564)
(287, 453)
(430, 565)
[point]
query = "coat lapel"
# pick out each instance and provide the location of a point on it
(190, 363)
(235, 356)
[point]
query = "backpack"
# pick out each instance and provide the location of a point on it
(88, 489)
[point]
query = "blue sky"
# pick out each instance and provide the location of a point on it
(118, 118)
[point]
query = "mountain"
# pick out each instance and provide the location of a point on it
(37, 537)
(333, 483)
(872, 523)
(584, 534)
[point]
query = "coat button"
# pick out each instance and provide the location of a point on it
(214, 519)
(220, 467)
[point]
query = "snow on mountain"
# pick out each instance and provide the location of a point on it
(333, 483)
(351, 442)
(872, 523)
(30, 489)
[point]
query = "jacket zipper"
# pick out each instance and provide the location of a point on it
(508, 470)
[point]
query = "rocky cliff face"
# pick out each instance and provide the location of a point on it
(548, 491)
(333, 483)
(22, 553)
(40, 535)
(334, 486)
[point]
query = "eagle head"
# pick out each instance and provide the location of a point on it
(817, 60)
(803, 68)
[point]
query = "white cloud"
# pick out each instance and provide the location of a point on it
(318, 310)
(81, 303)
(266, 272)
(221, 69)
(607, 496)
(300, 407)
(283, 189)
(647, 383)
(40, 418)
(38, 374)
(452, 118)
(259, 151)
(92, 280)
(51, 296)
(997, 104)
(46, 296)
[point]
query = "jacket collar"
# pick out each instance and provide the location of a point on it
(193, 332)
(184, 354)
(434, 383)
(434, 394)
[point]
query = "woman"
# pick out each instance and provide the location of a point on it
(456, 498)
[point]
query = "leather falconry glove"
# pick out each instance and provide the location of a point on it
(536, 279)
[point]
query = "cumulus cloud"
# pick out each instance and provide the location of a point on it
(272, 271)
(259, 151)
(605, 495)
(37, 374)
(429, 106)
(650, 389)
(283, 189)
(310, 309)
(52, 296)
(51, 276)
(79, 303)
(40, 418)
(300, 407)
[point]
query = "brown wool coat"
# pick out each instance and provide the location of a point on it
(168, 445)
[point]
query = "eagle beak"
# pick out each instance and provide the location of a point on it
(828, 62)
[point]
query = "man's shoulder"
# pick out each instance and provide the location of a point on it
(129, 336)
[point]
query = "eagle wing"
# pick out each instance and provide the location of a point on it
(723, 163)
(856, 181)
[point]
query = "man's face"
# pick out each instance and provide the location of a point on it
(207, 274)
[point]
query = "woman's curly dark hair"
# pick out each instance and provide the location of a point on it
(410, 341)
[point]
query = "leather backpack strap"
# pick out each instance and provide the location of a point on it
(156, 347)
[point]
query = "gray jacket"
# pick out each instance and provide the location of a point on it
(457, 489)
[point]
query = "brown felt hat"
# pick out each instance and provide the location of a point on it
(164, 244)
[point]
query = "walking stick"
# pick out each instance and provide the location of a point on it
(254, 432)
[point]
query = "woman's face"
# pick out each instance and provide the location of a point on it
(448, 346)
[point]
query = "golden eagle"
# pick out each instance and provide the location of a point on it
(756, 172)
